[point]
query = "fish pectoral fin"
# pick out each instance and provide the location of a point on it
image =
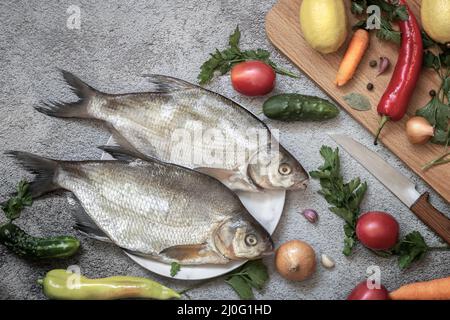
(232, 179)
(165, 84)
(219, 174)
(190, 254)
(87, 226)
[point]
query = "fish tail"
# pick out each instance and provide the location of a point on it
(44, 169)
(78, 109)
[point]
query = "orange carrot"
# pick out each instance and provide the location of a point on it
(438, 289)
(355, 52)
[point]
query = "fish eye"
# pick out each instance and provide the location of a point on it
(284, 169)
(251, 240)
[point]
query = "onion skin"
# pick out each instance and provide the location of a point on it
(295, 260)
(419, 130)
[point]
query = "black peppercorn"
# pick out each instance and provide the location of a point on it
(432, 93)
(373, 63)
(370, 86)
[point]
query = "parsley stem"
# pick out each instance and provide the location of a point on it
(438, 161)
(285, 72)
(439, 248)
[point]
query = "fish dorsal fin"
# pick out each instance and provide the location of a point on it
(87, 226)
(189, 254)
(165, 84)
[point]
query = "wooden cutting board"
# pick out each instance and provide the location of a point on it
(283, 30)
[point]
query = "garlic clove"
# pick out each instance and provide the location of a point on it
(310, 215)
(327, 262)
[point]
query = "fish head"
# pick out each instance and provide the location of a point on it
(277, 169)
(238, 238)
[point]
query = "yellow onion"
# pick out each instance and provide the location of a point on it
(419, 130)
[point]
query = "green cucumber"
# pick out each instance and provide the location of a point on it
(293, 106)
(22, 244)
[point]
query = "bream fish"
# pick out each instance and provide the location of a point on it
(154, 209)
(184, 124)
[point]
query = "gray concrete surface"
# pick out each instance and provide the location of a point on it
(121, 40)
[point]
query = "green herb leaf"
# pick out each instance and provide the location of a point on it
(349, 240)
(345, 198)
(234, 39)
(427, 41)
(242, 288)
(223, 61)
(437, 114)
(14, 206)
(174, 269)
(387, 33)
(252, 274)
(432, 61)
(359, 6)
(357, 101)
(400, 13)
(411, 248)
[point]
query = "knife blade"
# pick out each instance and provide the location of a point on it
(398, 184)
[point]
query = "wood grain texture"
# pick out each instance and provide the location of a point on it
(283, 30)
(432, 217)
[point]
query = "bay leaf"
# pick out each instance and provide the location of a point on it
(357, 101)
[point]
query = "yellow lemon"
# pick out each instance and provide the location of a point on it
(436, 19)
(324, 24)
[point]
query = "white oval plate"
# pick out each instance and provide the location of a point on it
(266, 207)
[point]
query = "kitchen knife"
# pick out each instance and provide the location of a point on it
(399, 185)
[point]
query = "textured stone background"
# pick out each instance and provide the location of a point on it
(118, 42)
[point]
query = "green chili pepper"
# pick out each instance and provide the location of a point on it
(22, 244)
(64, 285)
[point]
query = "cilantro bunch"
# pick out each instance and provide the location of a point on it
(223, 61)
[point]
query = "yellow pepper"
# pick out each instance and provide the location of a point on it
(65, 285)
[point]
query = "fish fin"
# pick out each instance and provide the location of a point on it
(189, 254)
(218, 173)
(229, 178)
(126, 145)
(78, 109)
(165, 84)
(85, 225)
(119, 153)
(44, 169)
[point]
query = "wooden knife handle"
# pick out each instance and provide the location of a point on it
(432, 217)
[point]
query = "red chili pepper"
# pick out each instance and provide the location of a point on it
(395, 100)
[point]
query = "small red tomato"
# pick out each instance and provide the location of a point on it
(377, 230)
(253, 78)
(362, 292)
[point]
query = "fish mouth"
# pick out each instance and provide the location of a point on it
(301, 185)
(268, 253)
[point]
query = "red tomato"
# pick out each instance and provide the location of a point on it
(362, 292)
(377, 230)
(253, 78)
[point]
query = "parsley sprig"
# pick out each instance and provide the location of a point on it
(174, 269)
(346, 199)
(437, 110)
(223, 61)
(391, 12)
(14, 205)
(251, 275)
